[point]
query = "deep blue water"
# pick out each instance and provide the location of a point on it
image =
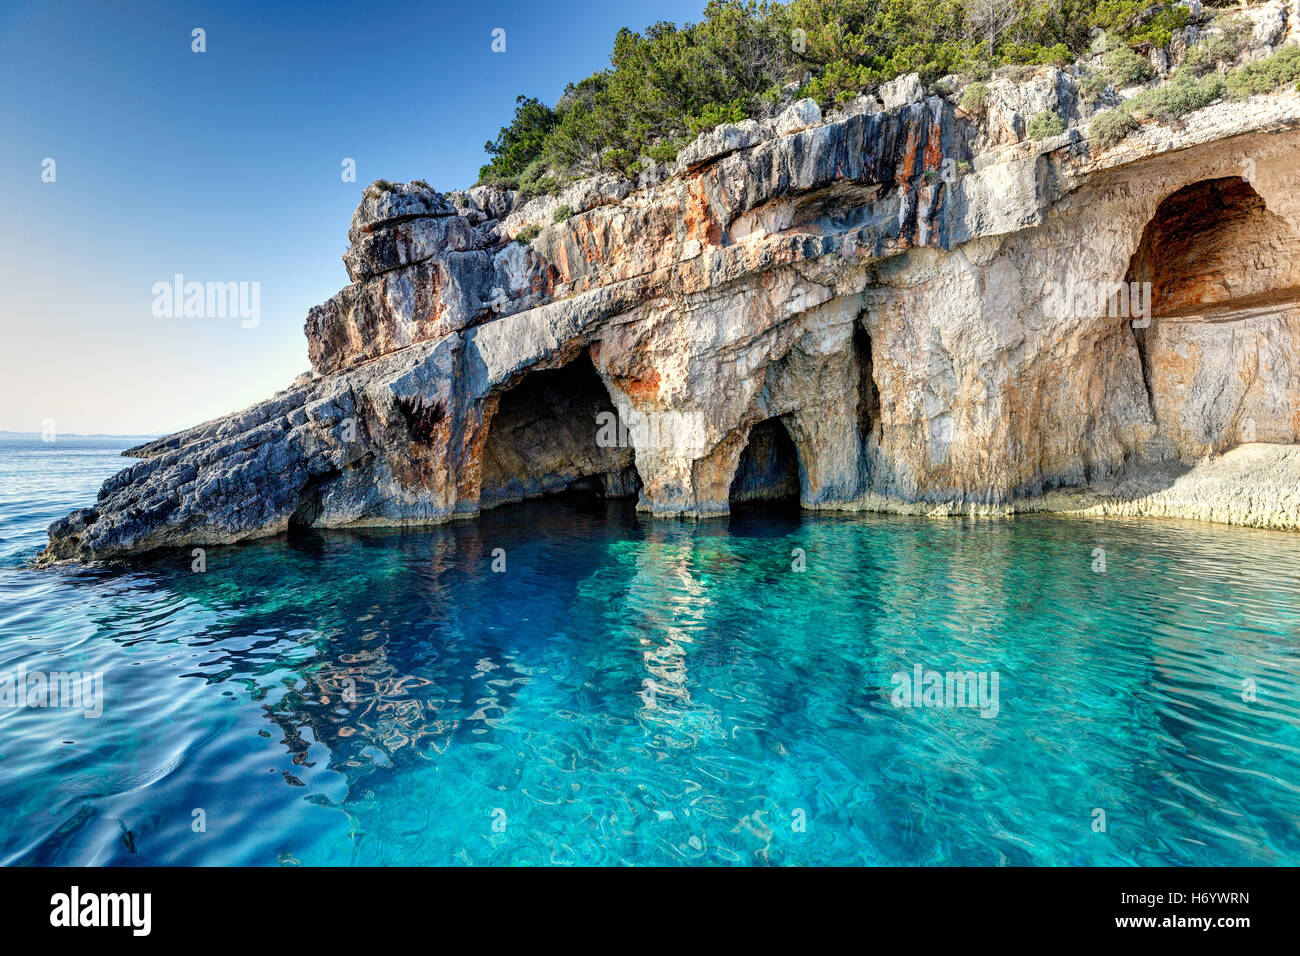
(630, 691)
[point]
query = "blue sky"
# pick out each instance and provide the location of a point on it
(224, 166)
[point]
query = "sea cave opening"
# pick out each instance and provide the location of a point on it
(768, 471)
(543, 441)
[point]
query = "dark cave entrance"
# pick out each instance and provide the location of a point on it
(868, 393)
(542, 441)
(768, 470)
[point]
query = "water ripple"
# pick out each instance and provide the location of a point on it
(643, 692)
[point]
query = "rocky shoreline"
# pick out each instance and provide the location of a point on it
(897, 306)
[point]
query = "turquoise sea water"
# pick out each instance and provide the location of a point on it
(630, 691)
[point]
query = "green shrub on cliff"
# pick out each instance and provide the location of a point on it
(1109, 128)
(715, 114)
(1219, 47)
(975, 98)
(1092, 88)
(1045, 125)
(667, 84)
(665, 151)
(1192, 87)
(1265, 76)
(1235, 29)
(1139, 22)
(1124, 67)
(1182, 94)
(536, 182)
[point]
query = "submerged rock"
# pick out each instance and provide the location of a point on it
(917, 310)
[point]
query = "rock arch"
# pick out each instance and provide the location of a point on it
(545, 438)
(769, 467)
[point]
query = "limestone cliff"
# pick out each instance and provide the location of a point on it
(896, 306)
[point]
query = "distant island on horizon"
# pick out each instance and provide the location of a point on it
(145, 435)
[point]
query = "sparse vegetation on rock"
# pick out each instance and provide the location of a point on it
(1264, 76)
(381, 186)
(1045, 125)
(1179, 96)
(1124, 67)
(975, 98)
(1110, 127)
(1198, 82)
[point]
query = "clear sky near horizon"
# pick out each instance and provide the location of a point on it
(225, 166)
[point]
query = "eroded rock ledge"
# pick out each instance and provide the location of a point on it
(863, 310)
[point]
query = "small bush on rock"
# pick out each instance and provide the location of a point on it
(715, 114)
(1124, 67)
(1235, 30)
(1207, 55)
(975, 98)
(1092, 88)
(1046, 125)
(1111, 127)
(664, 152)
(535, 182)
(1180, 96)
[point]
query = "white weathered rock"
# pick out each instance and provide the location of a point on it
(718, 142)
(902, 91)
(381, 205)
(1268, 25)
(494, 201)
(1012, 105)
(798, 115)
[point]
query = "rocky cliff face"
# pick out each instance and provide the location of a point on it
(900, 308)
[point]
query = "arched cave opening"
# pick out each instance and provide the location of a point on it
(768, 470)
(543, 440)
(1224, 297)
(1214, 251)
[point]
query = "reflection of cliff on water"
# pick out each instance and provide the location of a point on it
(738, 688)
(358, 641)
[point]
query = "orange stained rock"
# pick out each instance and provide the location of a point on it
(904, 169)
(644, 389)
(934, 148)
(698, 217)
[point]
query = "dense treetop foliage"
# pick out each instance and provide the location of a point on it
(667, 84)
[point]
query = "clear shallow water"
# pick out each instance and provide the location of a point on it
(651, 692)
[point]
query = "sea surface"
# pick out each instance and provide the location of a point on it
(629, 691)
